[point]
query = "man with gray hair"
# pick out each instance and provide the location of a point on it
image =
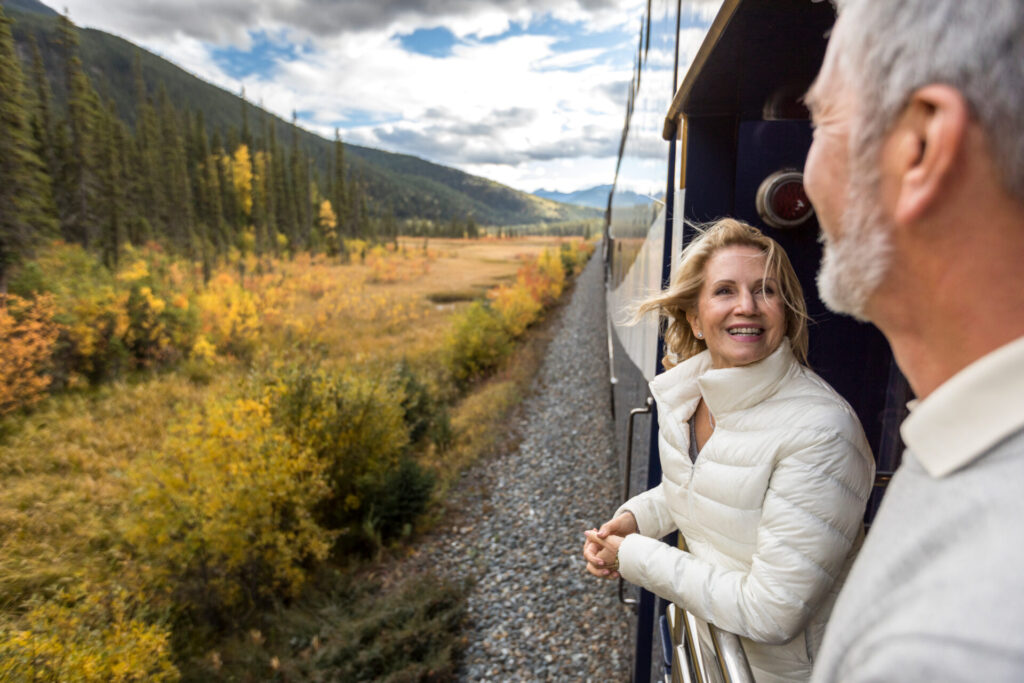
(917, 176)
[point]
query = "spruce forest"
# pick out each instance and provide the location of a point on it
(134, 165)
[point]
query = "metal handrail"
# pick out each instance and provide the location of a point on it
(629, 445)
(628, 479)
(709, 654)
(612, 379)
(731, 656)
(704, 653)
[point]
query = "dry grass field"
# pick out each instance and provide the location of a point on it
(66, 467)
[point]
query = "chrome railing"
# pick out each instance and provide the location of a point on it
(704, 653)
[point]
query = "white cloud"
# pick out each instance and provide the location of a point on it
(523, 110)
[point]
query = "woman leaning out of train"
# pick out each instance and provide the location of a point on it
(766, 469)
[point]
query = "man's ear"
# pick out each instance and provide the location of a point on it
(923, 148)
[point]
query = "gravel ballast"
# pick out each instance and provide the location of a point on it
(534, 612)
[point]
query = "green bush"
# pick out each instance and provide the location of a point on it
(394, 502)
(477, 344)
(441, 433)
(355, 426)
(411, 634)
(419, 407)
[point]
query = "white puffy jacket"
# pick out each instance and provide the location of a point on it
(771, 511)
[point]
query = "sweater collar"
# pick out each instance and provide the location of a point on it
(726, 389)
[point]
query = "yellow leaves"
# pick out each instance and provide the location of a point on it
(328, 219)
(137, 270)
(516, 306)
(91, 634)
(229, 315)
(226, 495)
(241, 175)
(203, 500)
(155, 303)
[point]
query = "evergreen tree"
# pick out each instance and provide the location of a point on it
(25, 216)
(77, 181)
(299, 177)
(173, 175)
(270, 189)
(41, 113)
(150, 191)
(111, 211)
(339, 191)
(259, 202)
(284, 204)
(246, 133)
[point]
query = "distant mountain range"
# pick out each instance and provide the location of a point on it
(411, 187)
(596, 197)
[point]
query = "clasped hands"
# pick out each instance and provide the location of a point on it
(601, 549)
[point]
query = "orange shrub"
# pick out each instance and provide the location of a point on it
(27, 336)
(544, 278)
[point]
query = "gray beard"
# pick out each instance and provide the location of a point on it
(854, 264)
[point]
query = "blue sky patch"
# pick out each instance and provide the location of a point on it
(432, 42)
(618, 45)
(356, 118)
(261, 58)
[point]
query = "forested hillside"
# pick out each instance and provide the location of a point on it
(105, 143)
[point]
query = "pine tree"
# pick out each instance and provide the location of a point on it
(150, 191)
(259, 202)
(339, 191)
(299, 190)
(41, 116)
(111, 208)
(284, 203)
(77, 182)
(246, 133)
(24, 215)
(174, 176)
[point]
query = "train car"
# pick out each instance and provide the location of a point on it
(726, 138)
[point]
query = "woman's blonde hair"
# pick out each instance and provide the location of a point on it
(682, 295)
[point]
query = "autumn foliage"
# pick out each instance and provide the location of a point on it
(27, 336)
(224, 498)
(483, 335)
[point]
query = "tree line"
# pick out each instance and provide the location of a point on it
(79, 173)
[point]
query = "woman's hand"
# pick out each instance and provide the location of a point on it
(603, 558)
(602, 545)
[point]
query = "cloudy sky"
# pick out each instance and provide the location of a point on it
(530, 93)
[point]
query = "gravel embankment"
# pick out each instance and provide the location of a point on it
(535, 614)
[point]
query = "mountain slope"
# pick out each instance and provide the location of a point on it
(411, 187)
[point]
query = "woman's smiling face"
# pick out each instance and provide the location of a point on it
(740, 312)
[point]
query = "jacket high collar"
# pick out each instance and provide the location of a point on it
(726, 390)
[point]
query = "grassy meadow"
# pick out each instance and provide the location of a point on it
(196, 465)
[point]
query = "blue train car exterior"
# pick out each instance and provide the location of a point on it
(715, 127)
